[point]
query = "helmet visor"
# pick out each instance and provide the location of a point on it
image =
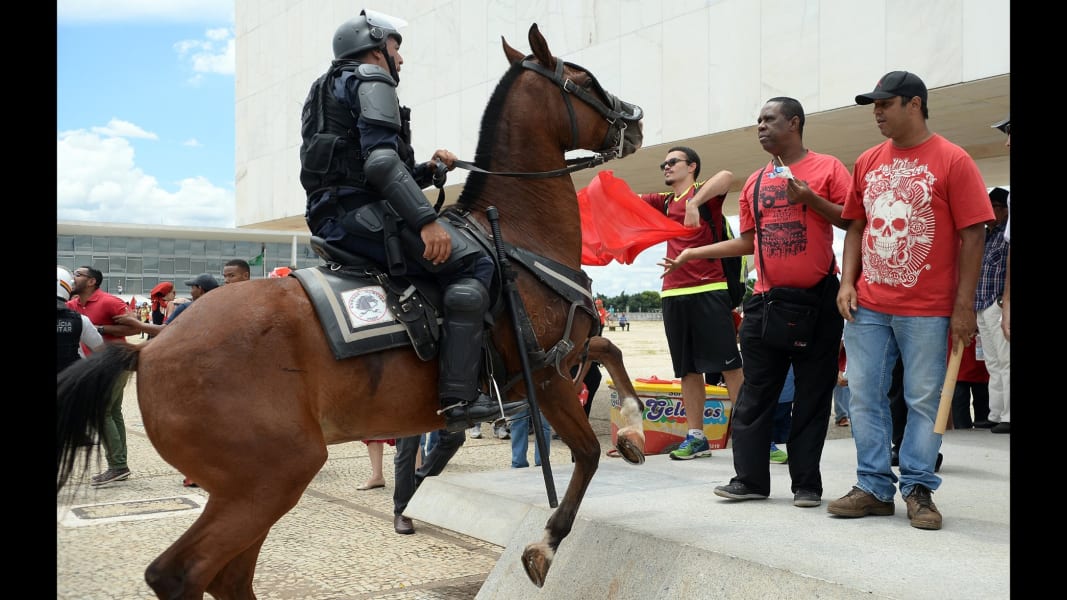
(389, 23)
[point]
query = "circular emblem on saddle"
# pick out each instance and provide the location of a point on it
(367, 306)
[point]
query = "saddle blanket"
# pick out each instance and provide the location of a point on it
(355, 313)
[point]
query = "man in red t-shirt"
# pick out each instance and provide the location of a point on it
(913, 251)
(695, 299)
(88, 299)
(798, 195)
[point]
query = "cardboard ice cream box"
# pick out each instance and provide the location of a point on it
(664, 415)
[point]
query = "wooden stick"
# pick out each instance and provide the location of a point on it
(948, 388)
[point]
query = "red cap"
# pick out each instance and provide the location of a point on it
(162, 289)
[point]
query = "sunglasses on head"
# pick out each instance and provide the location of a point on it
(670, 162)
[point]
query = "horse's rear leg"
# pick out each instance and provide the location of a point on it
(235, 579)
(219, 551)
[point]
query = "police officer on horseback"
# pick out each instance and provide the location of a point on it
(364, 193)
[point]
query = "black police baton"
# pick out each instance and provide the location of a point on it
(513, 300)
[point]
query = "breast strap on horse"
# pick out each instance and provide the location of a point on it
(572, 285)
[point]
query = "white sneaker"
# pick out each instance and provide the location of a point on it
(475, 432)
(501, 431)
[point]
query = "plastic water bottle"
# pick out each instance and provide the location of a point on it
(978, 353)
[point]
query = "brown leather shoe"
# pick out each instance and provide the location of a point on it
(921, 509)
(403, 525)
(858, 503)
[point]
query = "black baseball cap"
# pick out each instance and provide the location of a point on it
(1003, 125)
(895, 83)
(998, 196)
(204, 281)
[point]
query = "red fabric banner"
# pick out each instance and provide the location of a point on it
(617, 224)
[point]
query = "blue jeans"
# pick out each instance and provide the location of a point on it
(783, 415)
(874, 341)
(520, 439)
(842, 395)
(427, 442)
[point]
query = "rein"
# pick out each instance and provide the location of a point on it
(574, 286)
(612, 114)
(576, 164)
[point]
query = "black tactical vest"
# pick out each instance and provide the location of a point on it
(330, 154)
(68, 336)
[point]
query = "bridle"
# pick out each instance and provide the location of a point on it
(614, 114)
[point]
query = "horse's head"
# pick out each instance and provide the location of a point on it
(621, 120)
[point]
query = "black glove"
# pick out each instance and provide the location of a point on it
(440, 174)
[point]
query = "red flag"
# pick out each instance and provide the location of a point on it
(617, 224)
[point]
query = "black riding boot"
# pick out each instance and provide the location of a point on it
(462, 402)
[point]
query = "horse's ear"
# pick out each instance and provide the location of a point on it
(540, 48)
(512, 54)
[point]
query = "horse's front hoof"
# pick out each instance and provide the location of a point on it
(629, 451)
(537, 559)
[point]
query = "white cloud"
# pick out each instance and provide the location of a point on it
(640, 276)
(215, 53)
(119, 128)
(192, 143)
(220, 34)
(98, 180)
(75, 12)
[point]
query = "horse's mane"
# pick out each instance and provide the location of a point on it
(472, 189)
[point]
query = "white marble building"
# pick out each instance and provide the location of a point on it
(700, 69)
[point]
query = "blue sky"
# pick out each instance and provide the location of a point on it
(145, 112)
(145, 120)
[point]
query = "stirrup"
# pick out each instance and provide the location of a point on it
(458, 415)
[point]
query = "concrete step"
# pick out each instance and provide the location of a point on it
(658, 531)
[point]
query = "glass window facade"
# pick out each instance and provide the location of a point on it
(133, 265)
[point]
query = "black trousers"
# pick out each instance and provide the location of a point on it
(961, 403)
(592, 383)
(407, 478)
(765, 368)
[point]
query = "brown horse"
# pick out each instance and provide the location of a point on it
(243, 395)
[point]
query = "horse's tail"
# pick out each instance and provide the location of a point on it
(83, 391)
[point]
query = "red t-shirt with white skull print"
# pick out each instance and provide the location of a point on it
(914, 200)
